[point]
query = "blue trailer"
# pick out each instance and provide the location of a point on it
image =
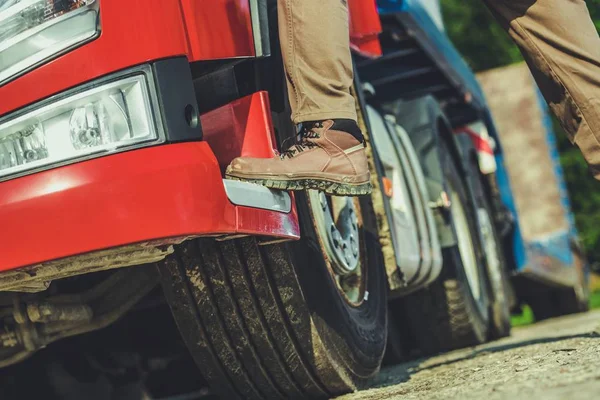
(550, 270)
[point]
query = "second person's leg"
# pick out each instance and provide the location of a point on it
(561, 45)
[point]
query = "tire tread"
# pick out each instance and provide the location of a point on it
(238, 293)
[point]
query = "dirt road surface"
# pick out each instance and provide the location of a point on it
(555, 359)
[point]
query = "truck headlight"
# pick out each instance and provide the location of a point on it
(99, 120)
(32, 31)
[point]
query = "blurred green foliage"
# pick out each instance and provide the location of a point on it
(484, 44)
(595, 300)
(524, 318)
(584, 192)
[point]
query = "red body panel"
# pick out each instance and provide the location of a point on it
(365, 27)
(139, 31)
(219, 28)
(158, 192)
(241, 128)
(135, 32)
(170, 191)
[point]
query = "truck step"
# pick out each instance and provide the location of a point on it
(256, 196)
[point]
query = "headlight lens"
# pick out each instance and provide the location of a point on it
(99, 120)
(31, 31)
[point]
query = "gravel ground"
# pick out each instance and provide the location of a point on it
(555, 359)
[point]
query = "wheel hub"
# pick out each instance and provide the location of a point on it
(337, 223)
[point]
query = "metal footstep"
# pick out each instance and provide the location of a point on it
(256, 196)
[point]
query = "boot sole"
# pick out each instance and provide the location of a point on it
(329, 187)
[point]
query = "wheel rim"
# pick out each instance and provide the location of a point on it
(337, 221)
(465, 244)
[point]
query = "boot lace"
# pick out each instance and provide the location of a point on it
(304, 142)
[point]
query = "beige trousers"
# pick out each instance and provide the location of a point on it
(315, 44)
(560, 43)
(557, 38)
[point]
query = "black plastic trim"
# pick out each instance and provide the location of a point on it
(177, 100)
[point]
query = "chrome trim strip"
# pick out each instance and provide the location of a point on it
(260, 27)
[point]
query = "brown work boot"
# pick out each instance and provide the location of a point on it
(324, 159)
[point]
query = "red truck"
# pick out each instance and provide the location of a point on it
(117, 121)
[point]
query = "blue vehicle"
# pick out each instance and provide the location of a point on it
(426, 95)
(549, 268)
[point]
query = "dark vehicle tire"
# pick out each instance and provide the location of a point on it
(497, 272)
(453, 312)
(551, 302)
(272, 322)
(548, 301)
(554, 302)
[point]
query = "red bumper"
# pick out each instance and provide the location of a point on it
(155, 193)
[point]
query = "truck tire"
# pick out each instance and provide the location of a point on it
(270, 322)
(549, 302)
(497, 271)
(555, 302)
(453, 312)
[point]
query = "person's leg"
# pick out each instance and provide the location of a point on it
(315, 44)
(561, 45)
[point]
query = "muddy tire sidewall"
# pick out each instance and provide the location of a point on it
(356, 335)
(478, 309)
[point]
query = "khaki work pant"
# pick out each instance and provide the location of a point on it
(557, 38)
(315, 44)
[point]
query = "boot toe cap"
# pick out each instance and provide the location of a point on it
(238, 165)
(248, 165)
